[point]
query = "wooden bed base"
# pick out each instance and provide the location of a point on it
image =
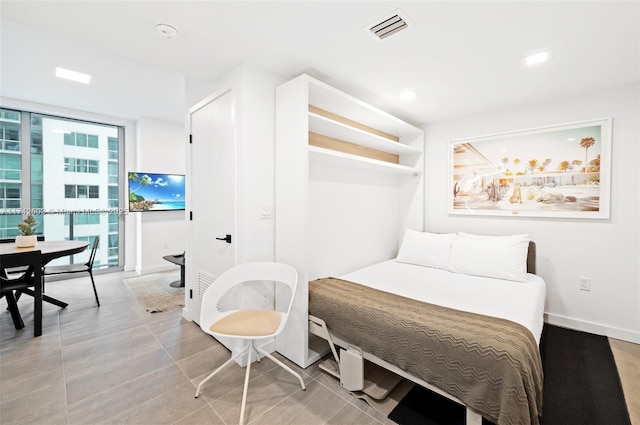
(319, 328)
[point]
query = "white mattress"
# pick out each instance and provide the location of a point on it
(520, 302)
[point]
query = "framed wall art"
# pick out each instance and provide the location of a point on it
(561, 171)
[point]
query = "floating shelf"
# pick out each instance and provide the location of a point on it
(344, 159)
(328, 127)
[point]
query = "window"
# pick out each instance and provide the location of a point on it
(36, 134)
(9, 225)
(10, 195)
(113, 223)
(113, 147)
(81, 191)
(10, 130)
(66, 154)
(113, 196)
(81, 139)
(82, 218)
(10, 167)
(113, 245)
(77, 165)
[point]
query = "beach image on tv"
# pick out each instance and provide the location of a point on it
(156, 192)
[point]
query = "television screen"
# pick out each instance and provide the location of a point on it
(156, 192)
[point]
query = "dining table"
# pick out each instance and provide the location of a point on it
(50, 250)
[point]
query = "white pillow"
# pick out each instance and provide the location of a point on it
(426, 249)
(500, 257)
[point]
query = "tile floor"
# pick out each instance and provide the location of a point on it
(118, 364)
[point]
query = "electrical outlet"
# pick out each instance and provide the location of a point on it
(165, 245)
(585, 283)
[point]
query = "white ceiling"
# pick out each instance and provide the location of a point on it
(461, 57)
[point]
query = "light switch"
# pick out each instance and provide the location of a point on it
(266, 211)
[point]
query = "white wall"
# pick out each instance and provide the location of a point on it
(161, 147)
(607, 251)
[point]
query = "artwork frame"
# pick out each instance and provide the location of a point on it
(558, 171)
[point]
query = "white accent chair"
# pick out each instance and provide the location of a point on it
(250, 325)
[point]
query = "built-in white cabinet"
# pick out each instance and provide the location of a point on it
(349, 180)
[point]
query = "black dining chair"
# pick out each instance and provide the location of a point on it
(31, 278)
(78, 268)
(18, 270)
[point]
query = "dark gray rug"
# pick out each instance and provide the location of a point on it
(581, 386)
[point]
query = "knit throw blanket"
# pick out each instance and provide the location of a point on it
(492, 365)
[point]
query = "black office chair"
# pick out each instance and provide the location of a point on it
(78, 268)
(32, 277)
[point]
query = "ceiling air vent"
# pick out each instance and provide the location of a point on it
(389, 25)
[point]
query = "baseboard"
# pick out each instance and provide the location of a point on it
(591, 327)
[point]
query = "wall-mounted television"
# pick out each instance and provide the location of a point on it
(156, 192)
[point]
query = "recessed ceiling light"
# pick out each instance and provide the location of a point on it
(408, 95)
(73, 75)
(167, 31)
(537, 58)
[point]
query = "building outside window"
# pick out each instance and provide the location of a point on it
(67, 173)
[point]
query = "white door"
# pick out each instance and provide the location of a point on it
(212, 180)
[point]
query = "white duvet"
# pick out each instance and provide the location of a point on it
(520, 302)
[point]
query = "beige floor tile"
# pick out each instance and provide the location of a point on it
(333, 384)
(627, 357)
(166, 408)
(35, 379)
(314, 406)
(351, 415)
(49, 359)
(107, 404)
(204, 416)
(85, 378)
(21, 348)
(230, 378)
(51, 407)
(184, 347)
(377, 415)
(264, 392)
(204, 362)
(174, 330)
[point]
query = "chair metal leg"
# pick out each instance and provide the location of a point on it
(219, 369)
(284, 366)
(246, 382)
(94, 288)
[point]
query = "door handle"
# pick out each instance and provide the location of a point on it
(227, 239)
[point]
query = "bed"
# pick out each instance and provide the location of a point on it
(457, 323)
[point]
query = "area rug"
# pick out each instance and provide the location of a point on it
(581, 386)
(154, 292)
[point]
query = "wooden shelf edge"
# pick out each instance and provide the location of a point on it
(359, 161)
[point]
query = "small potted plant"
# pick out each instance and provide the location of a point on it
(27, 237)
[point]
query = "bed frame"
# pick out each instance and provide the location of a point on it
(352, 358)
